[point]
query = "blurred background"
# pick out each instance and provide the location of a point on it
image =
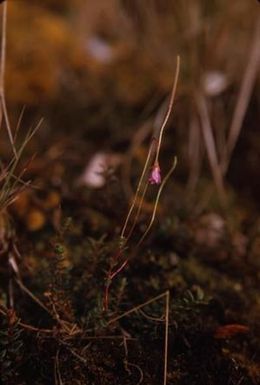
(100, 74)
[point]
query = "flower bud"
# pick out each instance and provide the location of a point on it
(155, 176)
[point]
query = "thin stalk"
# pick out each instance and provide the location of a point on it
(31, 295)
(165, 295)
(3, 45)
(243, 99)
(169, 109)
(138, 211)
(166, 339)
(118, 270)
(210, 145)
(7, 186)
(137, 190)
(19, 122)
(4, 112)
(134, 309)
(157, 201)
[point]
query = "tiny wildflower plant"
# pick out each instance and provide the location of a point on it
(151, 175)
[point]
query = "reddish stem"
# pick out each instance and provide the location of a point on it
(110, 276)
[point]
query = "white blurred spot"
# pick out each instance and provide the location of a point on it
(13, 264)
(99, 49)
(210, 230)
(214, 83)
(94, 173)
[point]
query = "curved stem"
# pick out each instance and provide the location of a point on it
(157, 201)
(138, 211)
(169, 109)
(137, 190)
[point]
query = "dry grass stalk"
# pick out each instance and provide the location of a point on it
(244, 96)
(57, 372)
(194, 154)
(166, 336)
(165, 121)
(210, 145)
(165, 295)
(10, 183)
(4, 112)
(139, 186)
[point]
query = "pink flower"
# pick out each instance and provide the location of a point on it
(155, 176)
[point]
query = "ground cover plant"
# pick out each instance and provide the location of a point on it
(129, 185)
